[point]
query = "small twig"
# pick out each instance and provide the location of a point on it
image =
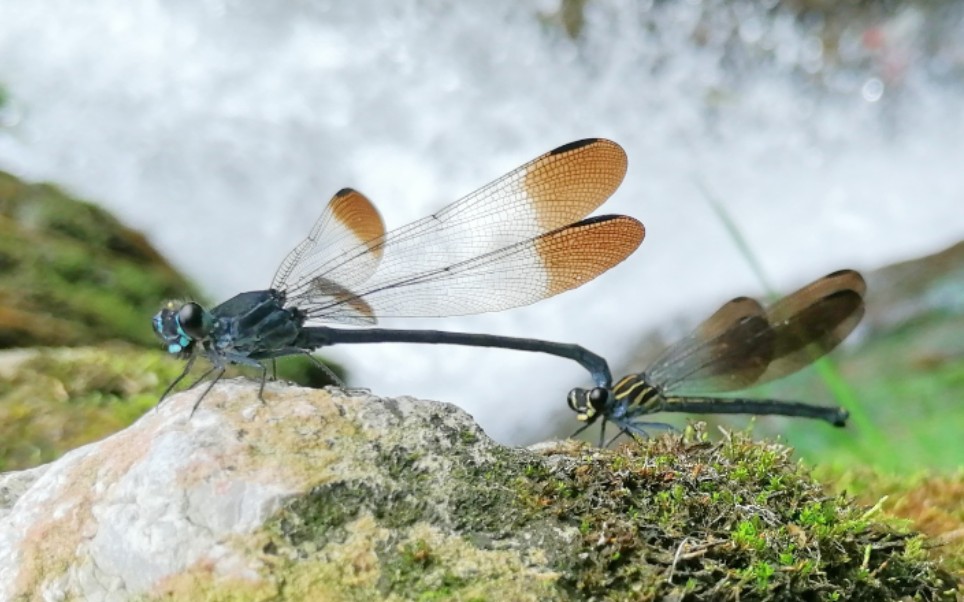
(676, 556)
(696, 552)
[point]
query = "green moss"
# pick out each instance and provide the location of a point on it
(312, 521)
(759, 575)
(468, 437)
(747, 534)
(653, 517)
(412, 567)
(476, 503)
(638, 522)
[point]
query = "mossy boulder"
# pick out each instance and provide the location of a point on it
(327, 495)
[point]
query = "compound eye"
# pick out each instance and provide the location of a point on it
(191, 319)
(577, 400)
(160, 322)
(165, 325)
(599, 398)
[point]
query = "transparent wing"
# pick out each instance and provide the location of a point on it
(342, 245)
(547, 193)
(516, 275)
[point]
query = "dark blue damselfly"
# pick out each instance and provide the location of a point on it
(522, 238)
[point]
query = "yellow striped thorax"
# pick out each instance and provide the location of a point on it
(637, 392)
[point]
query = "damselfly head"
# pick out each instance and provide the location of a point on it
(181, 325)
(169, 331)
(588, 405)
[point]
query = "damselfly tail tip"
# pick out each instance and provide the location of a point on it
(840, 418)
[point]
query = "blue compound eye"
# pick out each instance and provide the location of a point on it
(165, 326)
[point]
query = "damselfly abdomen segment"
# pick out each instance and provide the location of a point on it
(520, 239)
(740, 345)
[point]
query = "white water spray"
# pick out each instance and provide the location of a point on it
(222, 127)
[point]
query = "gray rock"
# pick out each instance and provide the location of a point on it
(175, 495)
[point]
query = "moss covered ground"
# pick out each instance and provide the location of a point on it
(672, 518)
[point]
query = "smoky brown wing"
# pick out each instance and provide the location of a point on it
(811, 322)
(727, 352)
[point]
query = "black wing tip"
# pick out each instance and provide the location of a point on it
(609, 217)
(344, 192)
(571, 146)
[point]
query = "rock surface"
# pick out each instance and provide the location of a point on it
(172, 496)
(327, 495)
